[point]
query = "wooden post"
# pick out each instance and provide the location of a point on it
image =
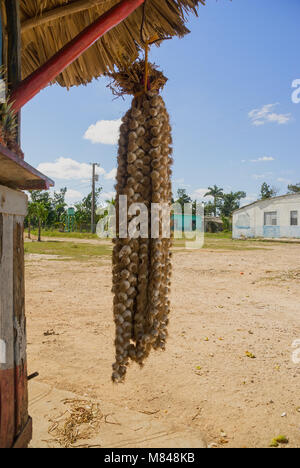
(13, 28)
(7, 383)
(15, 424)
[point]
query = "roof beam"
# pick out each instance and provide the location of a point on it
(59, 12)
(39, 79)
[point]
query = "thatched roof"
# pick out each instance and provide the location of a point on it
(118, 47)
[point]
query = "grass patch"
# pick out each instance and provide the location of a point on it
(280, 440)
(61, 235)
(219, 235)
(230, 244)
(84, 251)
(223, 241)
(88, 235)
(70, 250)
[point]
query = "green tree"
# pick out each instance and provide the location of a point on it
(267, 191)
(31, 210)
(183, 197)
(108, 205)
(227, 223)
(38, 196)
(87, 203)
(80, 215)
(111, 202)
(41, 213)
(209, 209)
(83, 212)
(294, 188)
(231, 202)
(59, 205)
(217, 194)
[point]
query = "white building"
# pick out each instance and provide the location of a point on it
(274, 218)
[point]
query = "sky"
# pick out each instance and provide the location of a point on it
(230, 99)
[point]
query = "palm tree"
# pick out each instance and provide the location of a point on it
(232, 202)
(111, 202)
(217, 193)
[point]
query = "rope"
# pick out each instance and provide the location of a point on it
(146, 66)
(147, 43)
(143, 22)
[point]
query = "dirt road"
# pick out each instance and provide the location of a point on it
(228, 371)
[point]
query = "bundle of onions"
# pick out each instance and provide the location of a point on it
(142, 266)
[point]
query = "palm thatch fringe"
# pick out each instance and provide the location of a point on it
(118, 48)
(131, 79)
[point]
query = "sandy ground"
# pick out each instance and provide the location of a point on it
(225, 304)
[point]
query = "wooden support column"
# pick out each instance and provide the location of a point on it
(15, 424)
(13, 31)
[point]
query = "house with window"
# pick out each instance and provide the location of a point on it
(275, 218)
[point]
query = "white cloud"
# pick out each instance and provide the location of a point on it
(283, 180)
(266, 175)
(248, 200)
(73, 196)
(104, 131)
(69, 169)
(266, 114)
(179, 181)
(199, 194)
(111, 175)
(180, 184)
(259, 176)
(263, 159)
(107, 196)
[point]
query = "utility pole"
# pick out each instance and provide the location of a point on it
(95, 179)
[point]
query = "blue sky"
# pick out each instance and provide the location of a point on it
(229, 96)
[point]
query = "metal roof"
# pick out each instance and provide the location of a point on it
(268, 199)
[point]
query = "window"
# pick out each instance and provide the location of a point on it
(294, 218)
(271, 218)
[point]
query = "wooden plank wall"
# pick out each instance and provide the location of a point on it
(21, 393)
(7, 386)
(13, 370)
